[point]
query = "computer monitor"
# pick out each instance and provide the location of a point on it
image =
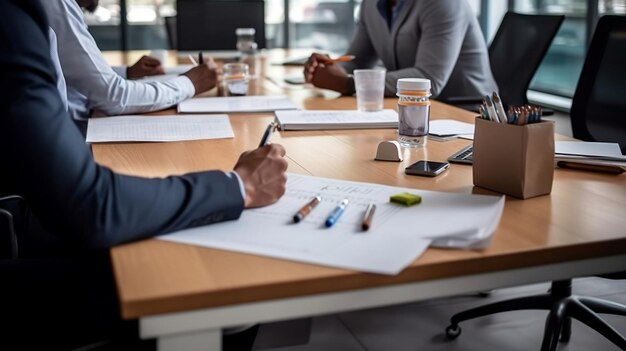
(210, 25)
(599, 104)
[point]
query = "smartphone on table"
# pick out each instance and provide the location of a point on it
(427, 168)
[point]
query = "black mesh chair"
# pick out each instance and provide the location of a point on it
(170, 29)
(598, 114)
(515, 54)
(599, 106)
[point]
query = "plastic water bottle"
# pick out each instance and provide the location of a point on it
(247, 48)
(413, 111)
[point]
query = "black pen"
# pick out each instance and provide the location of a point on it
(200, 58)
(268, 132)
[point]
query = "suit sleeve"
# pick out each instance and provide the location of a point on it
(443, 28)
(361, 46)
(45, 159)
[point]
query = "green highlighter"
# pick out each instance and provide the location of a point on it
(406, 199)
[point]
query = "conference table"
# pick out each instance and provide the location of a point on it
(183, 295)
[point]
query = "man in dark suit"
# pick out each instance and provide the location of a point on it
(60, 292)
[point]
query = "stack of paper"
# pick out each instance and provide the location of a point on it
(447, 129)
(602, 154)
(236, 104)
(397, 236)
(341, 119)
(158, 128)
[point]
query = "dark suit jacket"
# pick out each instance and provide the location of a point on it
(45, 159)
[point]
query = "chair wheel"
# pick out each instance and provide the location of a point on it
(453, 332)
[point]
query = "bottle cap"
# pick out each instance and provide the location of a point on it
(413, 84)
(245, 31)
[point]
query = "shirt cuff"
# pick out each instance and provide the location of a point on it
(186, 86)
(242, 189)
(120, 70)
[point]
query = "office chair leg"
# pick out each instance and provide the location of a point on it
(603, 306)
(537, 302)
(586, 315)
(566, 330)
(554, 326)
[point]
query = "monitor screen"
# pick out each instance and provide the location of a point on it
(211, 25)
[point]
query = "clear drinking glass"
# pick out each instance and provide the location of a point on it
(370, 89)
(236, 77)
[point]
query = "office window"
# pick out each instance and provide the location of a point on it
(146, 26)
(326, 25)
(104, 25)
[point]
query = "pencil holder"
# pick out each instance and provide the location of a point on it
(514, 160)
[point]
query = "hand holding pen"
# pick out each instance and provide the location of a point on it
(268, 133)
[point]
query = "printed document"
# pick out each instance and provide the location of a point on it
(158, 128)
(236, 104)
(448, 127)
(341, 119)
(398, 234)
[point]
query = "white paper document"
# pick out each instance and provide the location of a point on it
(585, 148)
(398, 234)
(448, 127)
(158, 128)
(236, 104)
(339, 119)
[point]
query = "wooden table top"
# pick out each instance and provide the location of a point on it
(583, 217)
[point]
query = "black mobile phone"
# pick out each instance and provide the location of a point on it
(427, 168)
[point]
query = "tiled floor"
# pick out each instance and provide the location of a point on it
(420, 326)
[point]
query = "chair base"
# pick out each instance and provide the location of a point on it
(562, 306)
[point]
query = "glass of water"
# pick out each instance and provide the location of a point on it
(370, 89)
(236, 77)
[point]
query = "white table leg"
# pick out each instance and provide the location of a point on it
(204, 340)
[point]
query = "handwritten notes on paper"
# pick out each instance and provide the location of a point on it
(158, 128)
(398, 235)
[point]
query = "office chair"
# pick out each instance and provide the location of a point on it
(211, 25)
(170, 29)
(515, 53)
(600, 110)
(13, 218)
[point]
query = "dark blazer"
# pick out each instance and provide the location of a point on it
(45, 159)
(63, 297)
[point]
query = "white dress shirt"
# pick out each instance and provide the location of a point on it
(91, 82)
(54, 56)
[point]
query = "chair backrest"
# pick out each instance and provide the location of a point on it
(599, 105)
(170, 29)
(517, 50)
(210, 25)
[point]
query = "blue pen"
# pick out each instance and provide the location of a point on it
(337, 212)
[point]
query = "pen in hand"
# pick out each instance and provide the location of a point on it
(306, 209)
(200, 58)
(268, 132)
(367, 218)
(344, 58)
(337, 212)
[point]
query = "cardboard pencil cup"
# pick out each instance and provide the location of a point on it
(514, 160)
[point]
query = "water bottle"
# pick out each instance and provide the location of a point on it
(247, 48)
(413, 111)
